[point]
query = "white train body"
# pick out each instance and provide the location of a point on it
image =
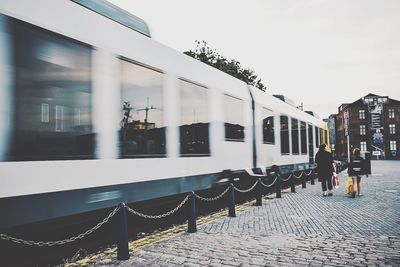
(96, 182)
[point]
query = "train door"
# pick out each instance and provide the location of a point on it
(310, 144)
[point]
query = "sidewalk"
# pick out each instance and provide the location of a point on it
(300, 229)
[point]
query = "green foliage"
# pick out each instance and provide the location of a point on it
(230, 66)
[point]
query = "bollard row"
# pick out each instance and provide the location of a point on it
(123, 250)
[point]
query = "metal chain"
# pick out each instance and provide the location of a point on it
(287, 179)
(298, 177)
(265, 185)
(158, 216)
(59, 242)
(212, 198)
(308, 174)
(248, 190)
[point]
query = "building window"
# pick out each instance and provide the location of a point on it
(295, 137)
(392, 129)
(142, 132)
(45, 112)
(362, 130)
(52, 80)
(59, 118)
(268, 126)
(393, 146)
(361, 114)
(285, 135)
(391, 113)
(234, 118)
(194, 129)
(303, 137)
(363, 146)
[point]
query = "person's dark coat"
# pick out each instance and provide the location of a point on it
(357, 167)
(324, 162)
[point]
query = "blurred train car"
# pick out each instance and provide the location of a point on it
(93, 112)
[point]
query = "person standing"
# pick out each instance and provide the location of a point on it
(324, 162)
(355, 170)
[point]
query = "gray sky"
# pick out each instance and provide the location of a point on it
(319, 52)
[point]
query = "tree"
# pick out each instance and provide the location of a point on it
(232, 67)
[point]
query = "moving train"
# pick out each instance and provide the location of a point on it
(94, 112)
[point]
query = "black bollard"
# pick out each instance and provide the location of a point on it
(312, 177)
(259, 193)
(232, 201)
(303, 180)
(123, 249)
(293, 183)
(192, 227)
(278, 186)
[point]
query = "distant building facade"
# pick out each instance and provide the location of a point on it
(371, 123)
(331, 122)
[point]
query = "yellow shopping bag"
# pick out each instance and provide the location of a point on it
(349, 186)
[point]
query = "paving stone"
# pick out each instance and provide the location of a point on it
(300, 229)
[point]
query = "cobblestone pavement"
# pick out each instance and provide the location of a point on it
(300, 229)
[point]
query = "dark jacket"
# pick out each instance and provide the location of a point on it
(356, 167)
(324, 162)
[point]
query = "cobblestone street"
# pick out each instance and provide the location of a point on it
(300, 229)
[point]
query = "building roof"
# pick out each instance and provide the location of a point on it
(365, 101)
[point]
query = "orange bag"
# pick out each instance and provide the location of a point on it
(350, 187)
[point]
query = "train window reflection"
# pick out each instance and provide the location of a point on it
(194, 129)
(285, 135)
(317, 142)
(142, 132)
(268, 126)
(234, 118)
(295, 137)
(52, 80)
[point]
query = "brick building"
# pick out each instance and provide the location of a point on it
(372, 123)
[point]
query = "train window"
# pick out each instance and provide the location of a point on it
(142, 132)
(234, 118)
(285, 135)
(295, 137)
(268, 126)
(194, 128)
(321, 141)
(303, 137)
(325, 137)
(52, 80)
(310, 144)
(317, 142)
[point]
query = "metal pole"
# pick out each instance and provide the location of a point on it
(259, 194)
(192, 227)
(293, 184)
(232, 202)
(278, 186)
(312, 175)
(123, 249)
(348, 148)
(303, 180)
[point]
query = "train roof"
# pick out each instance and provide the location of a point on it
(280, 107)
(116, 14)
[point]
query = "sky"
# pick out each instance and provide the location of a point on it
(319, 52)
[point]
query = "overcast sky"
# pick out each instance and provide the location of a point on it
(320, 52)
